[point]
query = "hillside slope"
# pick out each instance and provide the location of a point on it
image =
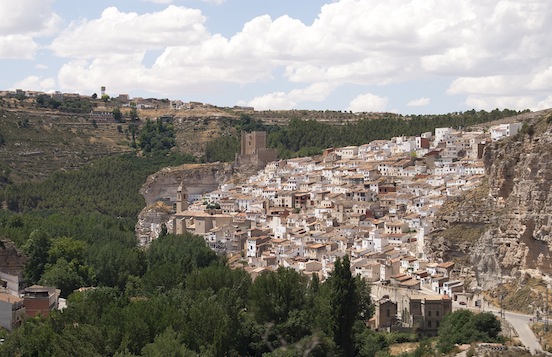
(39, 143)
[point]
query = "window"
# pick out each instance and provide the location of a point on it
(437, 313)
(429, 324)
(429, 313)
(437, 323)
(388, 313)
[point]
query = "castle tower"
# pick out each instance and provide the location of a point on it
(252, 142)
(181, 198)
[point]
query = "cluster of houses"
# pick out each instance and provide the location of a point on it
(120, 101)
(17, 304)
(36, 300)
(374, 203)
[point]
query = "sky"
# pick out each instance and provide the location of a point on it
(403, 56)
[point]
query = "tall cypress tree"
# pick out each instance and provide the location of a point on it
(344, 304)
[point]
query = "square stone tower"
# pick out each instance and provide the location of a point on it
(252, 142)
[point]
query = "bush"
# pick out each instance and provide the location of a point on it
(463, 326)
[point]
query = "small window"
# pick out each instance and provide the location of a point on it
(429, 324)
(388, 313)
(437, 313)
(429, 313)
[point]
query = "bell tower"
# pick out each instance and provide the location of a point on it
(181, 198)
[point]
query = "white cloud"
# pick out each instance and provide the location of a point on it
(492, 47)
(368, 103)
(420, 102)
(276, 100)
(541, 80)
(482, 102)
(519, 102)
(87, 76)
(41, 66)
(17, 46)
(28, 17)
(514, 91)
(546, 103)
(316, 92)
(21, 22)
(37, 83)
(160, 1)
(119, 32)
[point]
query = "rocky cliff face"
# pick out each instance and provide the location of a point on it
(12, 261)
(198, 178)
(160, 189)
(506, 223)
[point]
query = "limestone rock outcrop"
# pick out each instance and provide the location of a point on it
(159, 191)
(507, 221)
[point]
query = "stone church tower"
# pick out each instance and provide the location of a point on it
(181, 198)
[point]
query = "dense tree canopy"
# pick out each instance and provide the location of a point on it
(463, 326)
(71, 105)
(77, 228)
(156, 137)
(222, 149)
(205, 308)
(309, 137)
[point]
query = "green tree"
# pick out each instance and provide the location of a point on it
(343, 305)
(156, 138)
(223, 149)
(164, 230)
(115, 262)
(67, 248)
(487, 325)
(217, 277)
(167, 344)
(37, 251)
(34, 338)
(133, 114)
(463, 326)
(273, 295)
(62, 275)
(172, 257)
(369, 343)
(117, 115)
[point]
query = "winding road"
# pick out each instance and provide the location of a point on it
(520, 322)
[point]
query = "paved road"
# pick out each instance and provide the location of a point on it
(522, 324)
